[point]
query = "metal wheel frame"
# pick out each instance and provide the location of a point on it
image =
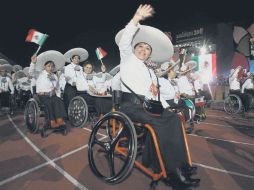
(75, 111)
(229, 104)
(32, 120)
(110, 147)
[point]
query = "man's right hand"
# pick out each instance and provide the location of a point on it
(34, 59)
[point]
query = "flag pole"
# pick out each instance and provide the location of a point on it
(37, 50)
(101, 62)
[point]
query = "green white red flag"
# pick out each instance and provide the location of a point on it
(100, 53)
(36, 37)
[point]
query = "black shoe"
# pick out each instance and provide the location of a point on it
(188, 171)
(186, 181)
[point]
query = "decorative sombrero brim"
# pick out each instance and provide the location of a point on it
(115, 70)
(99, 75)
(6, 67)
(162, 48)
(167, 66)
(190, 65)
(26, 70)
(19, 74)
(51, 55)
(16, 68)
(3, 62)
(81, 52)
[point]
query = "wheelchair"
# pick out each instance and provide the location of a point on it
(34, 112)
(113, 156)
(21, 97)
(79, 112)
(234, 103)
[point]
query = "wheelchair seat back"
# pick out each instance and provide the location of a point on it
(116, 98)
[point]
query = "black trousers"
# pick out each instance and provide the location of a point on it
(180, 106)
(54, 105)
(69, 93)
(103, 105)
(169, 133)
(5, 99)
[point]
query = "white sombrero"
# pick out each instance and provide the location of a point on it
(51, 55)
(19, 74)
(26, 70)
(115, 70)
(188, 66)
(167, 66)
(81, 52)
(16, 68)
(162, 48)
(99, 75)
(3, 61)
(6, 67)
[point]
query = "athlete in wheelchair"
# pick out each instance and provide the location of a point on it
(169, 92)
(46, 102)
(236, 102)
(80, 86)
(6, 88)
(187, 92)
(165, 154)
(22, 88)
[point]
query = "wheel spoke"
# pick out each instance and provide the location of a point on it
(111, 163)
(118, 136)
(108, 130)
(96, 141)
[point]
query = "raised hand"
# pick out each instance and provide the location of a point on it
(103, 68)
(142, 13)
(34, 59)
(145, 11)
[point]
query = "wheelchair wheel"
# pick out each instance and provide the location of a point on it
(78, 111)
(112, 157)
(31, 115)
(233, 104)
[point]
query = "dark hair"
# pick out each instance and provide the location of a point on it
(88, 63)
(74, 56)
(143, 43)
(48, 62)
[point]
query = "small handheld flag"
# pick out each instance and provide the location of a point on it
(100, 53)
(36, 37)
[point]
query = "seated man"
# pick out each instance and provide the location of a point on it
(23, 88)
(47, 87)
(169, 91)
(247, 91)
(72, 72)
(248, 85)
(185, 87)
(6, 86)
(235, 77)
(98, 85)
(138, 43)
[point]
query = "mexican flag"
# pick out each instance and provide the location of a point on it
(100, 53)
(206, 62)
(36, 37)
